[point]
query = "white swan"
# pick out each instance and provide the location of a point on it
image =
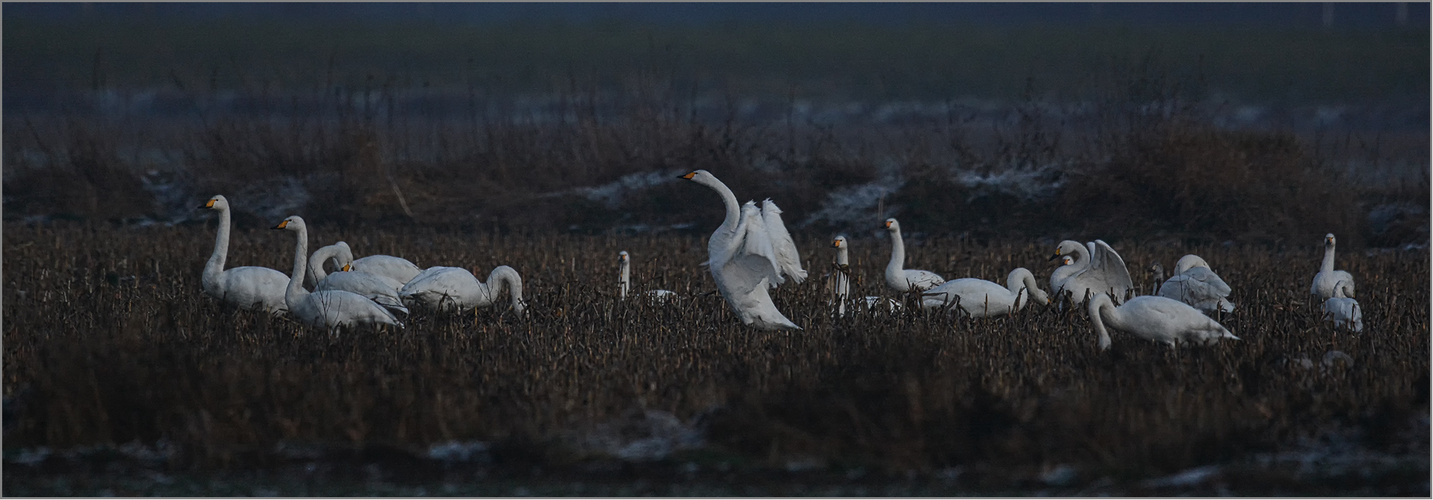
(1097, 269)
(378, 288)
(624, 280)
(1156, 319)
(1194, 283)
(248, 287)
(456, 289)
(897, 277)
(980, 298)
(1329, 283)
(397, 268)
(1343, 311)
(748, 253)
(841, 282)
(331, 309)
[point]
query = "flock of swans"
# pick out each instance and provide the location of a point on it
(749, 254)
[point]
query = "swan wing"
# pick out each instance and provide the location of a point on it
(787, 257)
(397, 268)
(439, 286)
(1209, 283)
(254, 287)
(752, 258)
(1108, 268)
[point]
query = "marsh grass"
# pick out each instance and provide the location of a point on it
(108, 340)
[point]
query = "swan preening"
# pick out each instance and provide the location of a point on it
(978, 298)
(624, 280)
(1156, 319)
(331, 309)
(247, 287)
(841, 282)
(1343, 311)
(897, 277)
(1096, 269)
(455, 289)
(749, 253)
(1329, 283)
(1194, 283)
(397, 269)
(378, 288)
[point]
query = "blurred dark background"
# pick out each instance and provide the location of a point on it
(1262, 123)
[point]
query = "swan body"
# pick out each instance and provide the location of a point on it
(378, 288)
(1194, 283)
(624, 280)
(248, 287)
(396, 268)
(1343, 311)
(841, 283)
(980, 298)
(1157, 319)
(456, 289)
(1096, 269)
(749, 253)
(897, 277)
(331, 309)
(1328, 283)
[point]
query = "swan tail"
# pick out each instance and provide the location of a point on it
(1226, 306)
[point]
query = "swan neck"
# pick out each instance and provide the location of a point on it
(315, 263)
(1327, 265)
(625, 279)
(728, 199)
(296, 291)
(842, 257)
(215, 267)
(898, 253)
(504, 277)
(1100, 306)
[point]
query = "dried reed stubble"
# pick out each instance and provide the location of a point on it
(107, 358)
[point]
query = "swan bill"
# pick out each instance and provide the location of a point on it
(209, 204)
(282, 225)
(347, 267)
(689, 175)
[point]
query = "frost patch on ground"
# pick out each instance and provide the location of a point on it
(1027, 184)
(612, 194)
(854, 205)
(639, 436)
(460, 451)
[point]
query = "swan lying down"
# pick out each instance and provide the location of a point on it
(979, 298)
(331, 309)
(456, 289)
(378, 288)
(1194, 283)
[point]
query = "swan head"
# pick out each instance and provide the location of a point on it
(623, 257)
(292, 223)
(700, 177)
(892, 225)
(1156, 269)
(839, 242)
(1070, 261)
(218, 202)
(1329, 240)
(1066, 248)
(1188, 262)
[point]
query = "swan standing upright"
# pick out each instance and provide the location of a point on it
(1097, 269)
(1157, 319)
(749, 253)
(980, 298)
(897, 277)
(841, 282)
(455, 289)
(1194, 283)
(247, 287)
(1328, 282)
(378, 288)
(331, 309)
(624, 280)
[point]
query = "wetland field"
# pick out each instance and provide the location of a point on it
(127, 380)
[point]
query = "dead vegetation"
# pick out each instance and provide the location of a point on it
(107, 339)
